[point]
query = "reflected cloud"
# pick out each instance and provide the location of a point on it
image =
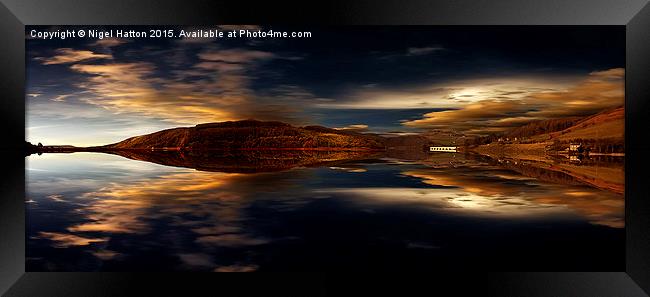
(598, 208)
(197, 260)
(451, 201)
(208, 204)
(106, 255)
(56, 198)
(500, 189)
(230, 240)
(199, 216)
(124, 207)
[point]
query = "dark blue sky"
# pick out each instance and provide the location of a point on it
(476, 80)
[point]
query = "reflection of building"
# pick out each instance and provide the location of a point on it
(449, 149)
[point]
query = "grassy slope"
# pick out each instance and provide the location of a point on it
(250, 134)
(608, 124)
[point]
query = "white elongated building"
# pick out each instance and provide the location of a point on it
(448, 149)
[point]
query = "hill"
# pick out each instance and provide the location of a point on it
(608, 124)
(250, 134)
(542, 127)
(603, 132)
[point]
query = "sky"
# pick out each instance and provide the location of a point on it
(391, 80)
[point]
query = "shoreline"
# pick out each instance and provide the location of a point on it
(532, 151)
(178, 149)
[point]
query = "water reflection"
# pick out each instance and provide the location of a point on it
(497, 191)
(112, 213)
(246, 161)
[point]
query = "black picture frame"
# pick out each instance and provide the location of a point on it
(15, 14)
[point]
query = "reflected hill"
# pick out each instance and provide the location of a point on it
(602, 172)
(246, 161)
(606, 175)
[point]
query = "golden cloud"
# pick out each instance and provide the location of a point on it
(235, 55)
(130, 88)
(236, 268)
(599, 90)
(214, 89)
(355, 127)
(109, 42)
(68, 55)
(595, 92)
(471, 114)
(450, 94)
(63, 240)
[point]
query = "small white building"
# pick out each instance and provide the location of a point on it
(448, 149)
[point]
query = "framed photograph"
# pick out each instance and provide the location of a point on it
(491, 148)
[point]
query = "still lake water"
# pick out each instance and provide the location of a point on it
(102, 212)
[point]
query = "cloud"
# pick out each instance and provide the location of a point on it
(410, 52)
(131, 88)
(419, 51)
(197, 259)
(236, 268)
(175, 86)
(106, 254)
(356, 128)
(68, 55)
(448, 94)
(471, 115)
(230, 240)
(62, 240)
(597, 91)
(235, 55)
(239, 27)
(215, 88)
(61, 98)
(109, 42)
(57, 198)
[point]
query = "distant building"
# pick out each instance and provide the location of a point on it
(448, 149)
(574, 147)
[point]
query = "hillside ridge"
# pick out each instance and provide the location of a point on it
(249, 134)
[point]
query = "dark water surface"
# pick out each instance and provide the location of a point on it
(103, 212)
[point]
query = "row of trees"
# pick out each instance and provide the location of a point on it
(542, 127)
(528, 130)
(602, 145)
